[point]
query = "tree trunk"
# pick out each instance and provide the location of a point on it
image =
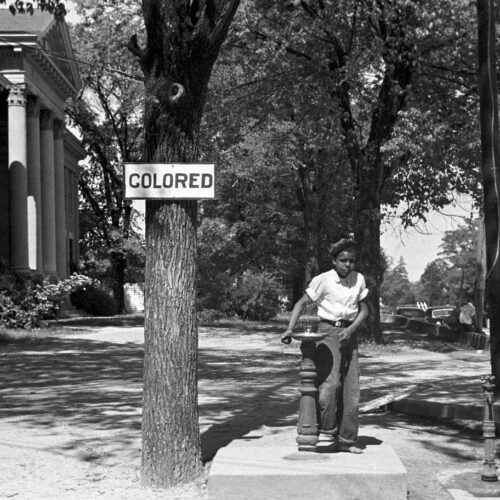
(479, 286)
(312, 225)
(183, 42)
(367, 233)
(171, 449)
(118, 266)
(489, 161)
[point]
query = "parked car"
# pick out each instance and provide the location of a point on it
(411, 312)
(439, 314)
(433, 314)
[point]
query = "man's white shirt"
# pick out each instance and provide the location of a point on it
(337, 298)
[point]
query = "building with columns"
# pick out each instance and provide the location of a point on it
(38, 155)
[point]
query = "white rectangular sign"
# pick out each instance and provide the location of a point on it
(179, 181)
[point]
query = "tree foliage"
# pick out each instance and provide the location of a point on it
(396, 288)
(383, 89)
(448, 278)
(108, 115)
(459, 250)
(433, 288)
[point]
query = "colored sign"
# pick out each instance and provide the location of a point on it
(168, 181)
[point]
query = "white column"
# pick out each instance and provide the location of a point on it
(18, 179)
(48, 192)
(60, 199)
(34, 186)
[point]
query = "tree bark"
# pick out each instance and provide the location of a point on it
(479, 286)
(171, 450)
(309, 202)
(183, 41)
(118, 267)
(367, 217)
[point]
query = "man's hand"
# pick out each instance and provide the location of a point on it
(345, 335)
(286, 338)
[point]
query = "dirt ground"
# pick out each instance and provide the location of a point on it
(70, 410)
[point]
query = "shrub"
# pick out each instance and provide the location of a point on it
(94, 301)
(215, 292)
(208, 316)
(257, 295)
(25, 303)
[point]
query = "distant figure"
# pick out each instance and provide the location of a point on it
(467, 315)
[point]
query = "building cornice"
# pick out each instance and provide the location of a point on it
(73, 145)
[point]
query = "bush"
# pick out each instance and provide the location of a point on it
(214, 293)
(94, 301)
(209, 316)
(257, 296)
(26, 303)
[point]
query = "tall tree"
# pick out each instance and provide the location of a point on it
(266, 128)
(182, 45)
(372, 63)
(459, 250)
(108, 114)
(397, 288)
(434, 284)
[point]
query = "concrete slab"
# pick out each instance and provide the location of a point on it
(280, 472)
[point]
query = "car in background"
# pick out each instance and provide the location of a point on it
(411, 312)
(432, 314)
(439, 314)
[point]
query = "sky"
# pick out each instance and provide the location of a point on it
(419, 246)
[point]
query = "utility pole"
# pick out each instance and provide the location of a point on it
(489, 162)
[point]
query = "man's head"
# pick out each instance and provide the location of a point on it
(343, 254)
(342, 245)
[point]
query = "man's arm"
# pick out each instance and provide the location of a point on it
(346, 333)
(297, 310)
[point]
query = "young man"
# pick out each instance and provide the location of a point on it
(339, 295)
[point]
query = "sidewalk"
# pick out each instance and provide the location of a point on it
(451, 382)
(451, 391)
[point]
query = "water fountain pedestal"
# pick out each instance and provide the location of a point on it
(307, 427)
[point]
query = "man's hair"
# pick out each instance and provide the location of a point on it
(341, 245)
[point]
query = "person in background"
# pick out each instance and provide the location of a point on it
(339, 295)
(467, 315)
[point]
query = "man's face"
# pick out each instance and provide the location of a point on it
(344, 262)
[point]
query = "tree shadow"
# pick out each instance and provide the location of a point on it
(97, 385)
(92, 385)
(250, 393)
(82, 381)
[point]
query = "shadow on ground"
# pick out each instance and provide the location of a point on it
(80, 383)
(244, 384)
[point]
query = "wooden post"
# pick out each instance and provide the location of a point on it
(489, 163)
